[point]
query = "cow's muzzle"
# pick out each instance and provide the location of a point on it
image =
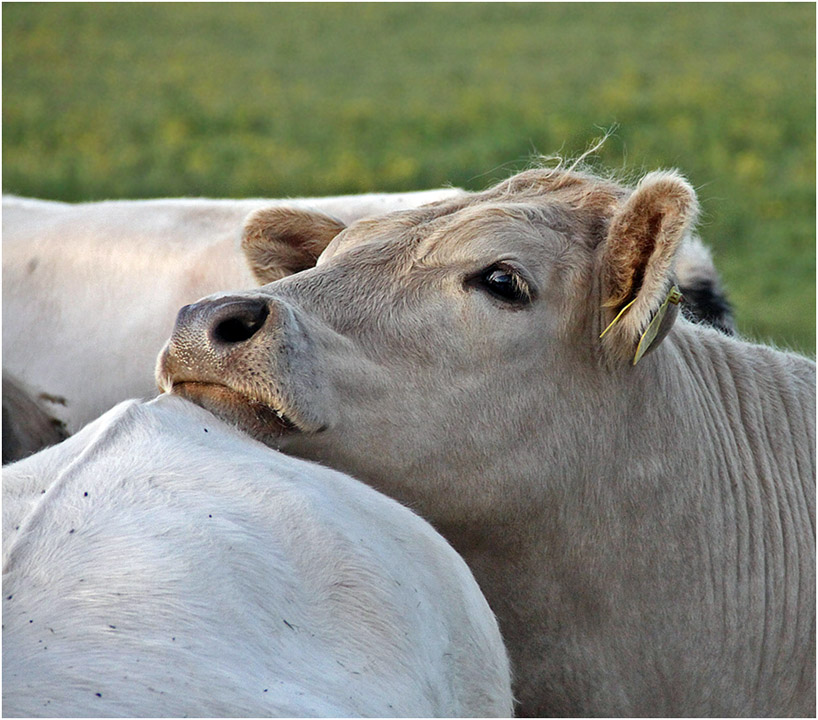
(219, 356)
(209, 338)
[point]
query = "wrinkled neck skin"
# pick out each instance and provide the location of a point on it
(658, 568)
(626, 552)
(638, 531)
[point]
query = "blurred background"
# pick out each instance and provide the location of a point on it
(121, 100)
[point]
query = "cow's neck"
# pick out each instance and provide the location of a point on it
(629, 538)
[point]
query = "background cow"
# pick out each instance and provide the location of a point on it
(27, 427)
(162, 564)
(634, 493)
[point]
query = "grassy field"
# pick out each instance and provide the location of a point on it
(236, 100)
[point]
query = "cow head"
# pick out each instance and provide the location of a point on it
(449, 355)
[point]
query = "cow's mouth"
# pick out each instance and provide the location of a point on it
(257, 418)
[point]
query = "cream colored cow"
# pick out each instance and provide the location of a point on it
(90, 291)
(634, 493)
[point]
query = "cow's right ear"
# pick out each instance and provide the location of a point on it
(280, 241)
(639, 298)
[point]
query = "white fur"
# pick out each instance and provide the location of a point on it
(90, 291)
(159, 563)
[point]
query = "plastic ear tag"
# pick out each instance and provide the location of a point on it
(616, 319)
(674, 296)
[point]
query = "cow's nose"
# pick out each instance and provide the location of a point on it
(209, 335)
(237, 321)
(218, 324)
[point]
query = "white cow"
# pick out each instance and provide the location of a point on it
(634, 493)
(90, 291)
(160, 563)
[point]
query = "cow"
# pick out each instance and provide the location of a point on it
(27, 427)
(634, 493)
(90, 290)
(160, 563)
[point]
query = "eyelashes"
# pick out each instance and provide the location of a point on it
(504, 283)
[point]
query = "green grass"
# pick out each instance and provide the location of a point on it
(143, 100)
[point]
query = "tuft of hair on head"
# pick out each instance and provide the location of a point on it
(581, 163)
(583, 184)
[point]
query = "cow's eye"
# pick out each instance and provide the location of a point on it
(504, 283)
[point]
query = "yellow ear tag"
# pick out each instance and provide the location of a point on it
(616, 319)
(674, 296)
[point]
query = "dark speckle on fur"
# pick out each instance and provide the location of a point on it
(57, 399)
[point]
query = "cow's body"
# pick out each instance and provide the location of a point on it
(90, 290)
(160, 563)
(634, 493)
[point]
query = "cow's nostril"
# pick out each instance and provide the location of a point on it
(243, 321)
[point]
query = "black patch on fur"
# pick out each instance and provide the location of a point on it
(705, 303)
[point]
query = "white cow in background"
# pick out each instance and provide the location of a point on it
(160, 563)
(90, 291)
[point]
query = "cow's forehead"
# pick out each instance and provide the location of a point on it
(494, 231)
(521, 214)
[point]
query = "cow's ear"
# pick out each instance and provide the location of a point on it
(280, 241)
(639, 297)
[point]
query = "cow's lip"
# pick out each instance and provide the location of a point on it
(257, 417)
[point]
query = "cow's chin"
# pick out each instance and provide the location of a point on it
(256, 418)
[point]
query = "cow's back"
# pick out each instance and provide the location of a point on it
(89, 291)
(161, 564)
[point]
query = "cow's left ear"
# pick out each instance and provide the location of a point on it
(639, 297)
(280, 241)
